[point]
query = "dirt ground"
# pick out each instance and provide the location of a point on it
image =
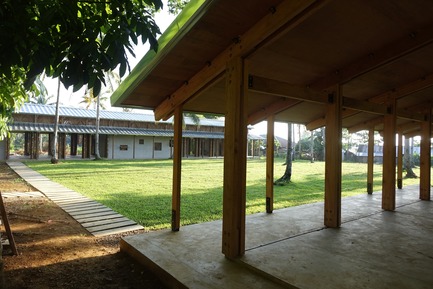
(56, 252)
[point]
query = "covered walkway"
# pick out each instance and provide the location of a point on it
(292, 249)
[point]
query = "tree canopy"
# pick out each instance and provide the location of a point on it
(73, 40)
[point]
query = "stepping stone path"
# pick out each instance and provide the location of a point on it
(96, 218)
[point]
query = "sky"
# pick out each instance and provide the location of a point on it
(163, 20)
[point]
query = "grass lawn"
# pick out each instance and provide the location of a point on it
(141, 189)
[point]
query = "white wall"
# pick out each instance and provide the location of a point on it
(137, 150)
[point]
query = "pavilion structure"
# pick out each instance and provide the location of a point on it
(361, 65)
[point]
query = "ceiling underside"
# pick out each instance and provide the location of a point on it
(371, 51)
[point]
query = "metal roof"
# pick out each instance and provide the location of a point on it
(42, 109)
(90, 129)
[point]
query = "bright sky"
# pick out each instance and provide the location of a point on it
(163, 19)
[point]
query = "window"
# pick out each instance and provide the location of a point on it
(158, 146)
(141, 141)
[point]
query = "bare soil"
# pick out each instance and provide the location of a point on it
(56, 252)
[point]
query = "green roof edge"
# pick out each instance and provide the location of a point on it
(192, 12)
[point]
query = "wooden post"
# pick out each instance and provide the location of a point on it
(177, 169)
(370, 161)
(389, 155)
(270, 165)
(4, 217)
(333, 160)
(425, 158)
(235, 141)
(400, 161)
(74, 143)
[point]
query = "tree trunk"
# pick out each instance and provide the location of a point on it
(288, 172)
(97, 155)
(54, 159)
(408, 159)
(312, 147)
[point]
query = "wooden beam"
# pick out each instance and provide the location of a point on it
(389, 155)
(274, 108)
(370, 161)
(177, 169)
(366, 125)
(397, 93)
(235, 147)
(286, 16)
(400, 161)
(284, 89)
(333, 158)
(425, 157)
(270, 140)
(413, 41)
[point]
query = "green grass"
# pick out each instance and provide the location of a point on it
(141, 190)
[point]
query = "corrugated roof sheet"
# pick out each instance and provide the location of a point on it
(90, 129)
(42, 109)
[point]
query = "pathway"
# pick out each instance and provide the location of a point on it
(96, 218)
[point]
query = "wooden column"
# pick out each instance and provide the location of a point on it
(425, 158)
(35, 145)
(370, 161)
(61, 146)
(27, 143)
(74, 144)
(270, 165)
(389, 156)
(235, 141)
(400, 161)
(177, 168)
(333, 151)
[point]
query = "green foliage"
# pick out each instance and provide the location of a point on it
(74, 40)
(176, 6)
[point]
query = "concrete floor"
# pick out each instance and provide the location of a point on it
(291, 249)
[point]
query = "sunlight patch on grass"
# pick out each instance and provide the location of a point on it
(141, 189)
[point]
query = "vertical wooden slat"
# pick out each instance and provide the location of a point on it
(400, 161)
(333, 160)
(389, 156)
(425, 158)
(177, 169)
(270, 165)
(235, 141)
(370, 161)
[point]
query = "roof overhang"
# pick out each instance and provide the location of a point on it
(298, 52)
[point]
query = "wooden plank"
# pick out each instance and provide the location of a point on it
(235, 146)
(80, 205)
(84, 218)
(177, 169)
(287, 15)
(87, 208)
(389, 155)
(370, 161)
(104, 222)
(270, 141)
(425, 158)
(333, 148)
(90, 211)
(111, 226)
(98, 217)
(117, 230)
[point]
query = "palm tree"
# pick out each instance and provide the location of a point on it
(288, 172)
(54, 159)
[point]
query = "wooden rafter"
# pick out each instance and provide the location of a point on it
(282, 19)
(388, 54)
(398, 93)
